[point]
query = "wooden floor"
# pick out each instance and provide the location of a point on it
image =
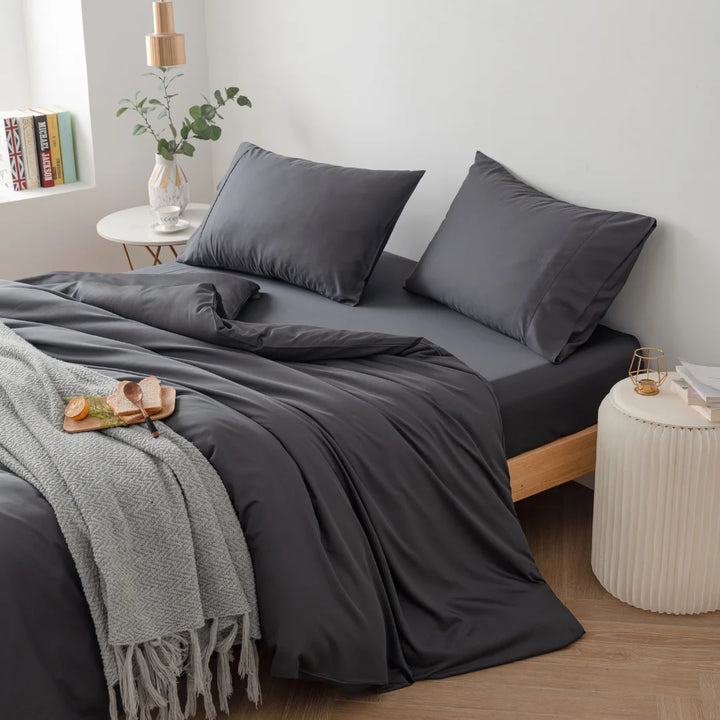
(630, 663)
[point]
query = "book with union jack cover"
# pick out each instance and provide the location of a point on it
(12, 166)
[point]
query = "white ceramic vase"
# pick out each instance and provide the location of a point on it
(168, 184)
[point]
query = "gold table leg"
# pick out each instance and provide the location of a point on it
(155, 255)
(173, 250)
(127, 257)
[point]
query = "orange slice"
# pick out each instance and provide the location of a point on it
(77, 408)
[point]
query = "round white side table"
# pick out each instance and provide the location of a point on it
(133, 226)
(656, 519)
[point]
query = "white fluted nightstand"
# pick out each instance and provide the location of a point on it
(656, 521)
(133, 226)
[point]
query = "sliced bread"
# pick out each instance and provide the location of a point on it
(152, 395)
(152, 399)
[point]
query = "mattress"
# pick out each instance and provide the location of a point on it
(539, 401)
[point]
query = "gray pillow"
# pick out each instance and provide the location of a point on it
(229, 294)
(318, 226)
(532, 267)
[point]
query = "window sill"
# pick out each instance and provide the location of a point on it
(8, 196)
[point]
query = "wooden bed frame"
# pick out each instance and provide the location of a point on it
(565, 459)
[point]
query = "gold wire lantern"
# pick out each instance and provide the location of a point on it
(648, 370)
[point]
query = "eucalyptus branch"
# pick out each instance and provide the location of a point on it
(145, 120)
(201, 121)
(166, 85)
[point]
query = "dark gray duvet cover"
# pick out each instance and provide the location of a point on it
(368, 473)
(539, 401)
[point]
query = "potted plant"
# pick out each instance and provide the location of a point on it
(168, 184)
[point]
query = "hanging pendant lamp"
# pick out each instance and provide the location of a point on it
(165, 47)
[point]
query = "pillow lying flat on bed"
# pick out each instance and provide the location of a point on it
(318, 226)
(532, 267)
(165, 301)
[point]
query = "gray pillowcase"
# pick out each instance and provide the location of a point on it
(532, 267)
(318, 226)
(230, 293)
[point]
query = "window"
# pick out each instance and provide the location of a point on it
(34, 72)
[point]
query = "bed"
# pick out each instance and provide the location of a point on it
(368, 472)
(360, 411)
(548, 410)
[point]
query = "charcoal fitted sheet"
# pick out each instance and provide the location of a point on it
(539, 401)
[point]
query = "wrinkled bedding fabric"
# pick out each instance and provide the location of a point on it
(368, 473)
(159, 551)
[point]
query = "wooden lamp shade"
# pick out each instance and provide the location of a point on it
(165, 47)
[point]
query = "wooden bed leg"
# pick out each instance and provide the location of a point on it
(558, 462)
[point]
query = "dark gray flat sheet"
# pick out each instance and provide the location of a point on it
(539, 401)
(368, 475)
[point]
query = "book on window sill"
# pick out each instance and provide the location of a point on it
(42, 144)
(67, 143)
(29, 148)
(12, 167)
(54, 137)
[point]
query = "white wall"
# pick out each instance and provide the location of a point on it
(614, 104)
(58, 231)
(14, 87)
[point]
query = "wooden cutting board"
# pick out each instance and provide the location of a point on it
(167, 395)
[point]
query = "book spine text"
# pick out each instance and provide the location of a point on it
(55, 152)
(27, 141)
(42, 142)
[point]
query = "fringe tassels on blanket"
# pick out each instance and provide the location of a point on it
(149, 672)
(249, 663)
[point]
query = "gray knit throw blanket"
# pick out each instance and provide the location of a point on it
(156, 542)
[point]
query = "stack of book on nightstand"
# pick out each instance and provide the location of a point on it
(36, 148)
(699, 386)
